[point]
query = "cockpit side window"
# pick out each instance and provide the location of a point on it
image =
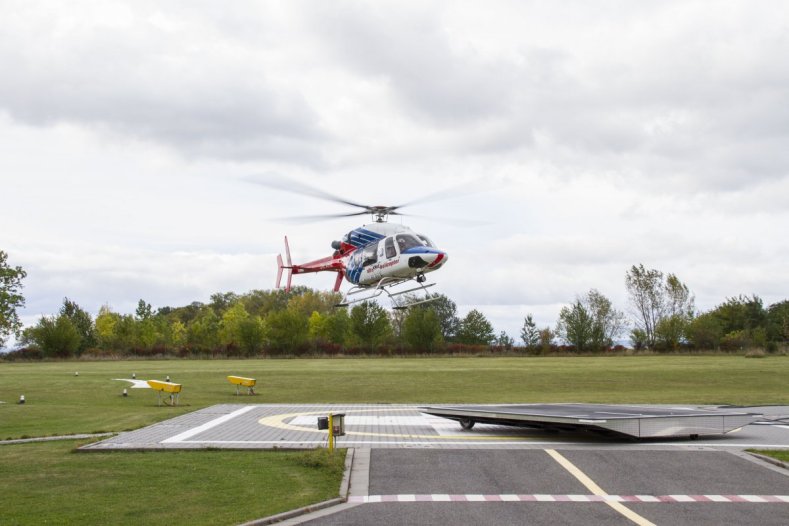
(356, 259)
(390, 248)
(370, 254)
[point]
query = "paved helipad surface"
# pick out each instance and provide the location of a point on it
(267, 426)
(412, 468)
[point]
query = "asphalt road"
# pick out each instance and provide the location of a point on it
(684, 474)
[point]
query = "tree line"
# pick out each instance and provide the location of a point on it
(662, 317)
(261, 322)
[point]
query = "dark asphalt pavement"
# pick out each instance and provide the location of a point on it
(617, 472)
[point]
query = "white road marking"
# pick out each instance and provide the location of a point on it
(181, 437)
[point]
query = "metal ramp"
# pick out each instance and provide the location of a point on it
(638, 421)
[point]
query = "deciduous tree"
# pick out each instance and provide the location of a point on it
(575, 326)
(705, 332)
(203, 331)
(505, 341)
(546, 340)
(230, 326)
(105, 324)
(530, 334)
(338, 327)
(286, 331)
(82, 321)
(608, 323)
(645, 287)
(778, 322)
(591, 323)
(55, 336)
(370, 324)
(447, 314)
(251, 335)
(475, 329)
(422, 329)
(11, 298)
(663, 309)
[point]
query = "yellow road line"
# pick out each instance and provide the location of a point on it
(597, 490)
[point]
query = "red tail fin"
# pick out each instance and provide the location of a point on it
(333, 263)
(280, 266)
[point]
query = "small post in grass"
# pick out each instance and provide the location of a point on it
(331, 433)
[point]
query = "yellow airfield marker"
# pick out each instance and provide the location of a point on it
(166, 387)
(240, 381)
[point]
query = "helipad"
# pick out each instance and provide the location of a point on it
(269, 426)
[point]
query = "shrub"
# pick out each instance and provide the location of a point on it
(25, 353)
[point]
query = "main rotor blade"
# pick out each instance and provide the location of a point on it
(454, 221)
(299, 188)
(450, 193)
(319, 217)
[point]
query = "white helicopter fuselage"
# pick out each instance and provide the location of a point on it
(384, 250)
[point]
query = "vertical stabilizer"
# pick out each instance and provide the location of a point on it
(288, 267)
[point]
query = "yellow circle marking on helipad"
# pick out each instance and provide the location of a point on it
(278, 422)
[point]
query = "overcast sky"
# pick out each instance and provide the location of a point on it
(598, 135)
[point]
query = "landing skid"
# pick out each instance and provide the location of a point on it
(384, 286)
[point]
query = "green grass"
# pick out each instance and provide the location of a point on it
(60, 403)
(782, 455)
(46, 483)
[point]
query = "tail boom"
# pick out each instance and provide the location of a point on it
(327, 264)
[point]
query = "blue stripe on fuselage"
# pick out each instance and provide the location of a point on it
(361, 237)
(422, 250)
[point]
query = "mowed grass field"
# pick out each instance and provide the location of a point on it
(58, 402)
(47, 483)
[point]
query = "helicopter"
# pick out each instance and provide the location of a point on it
(376, 258)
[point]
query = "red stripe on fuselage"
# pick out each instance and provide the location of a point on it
(437, 261)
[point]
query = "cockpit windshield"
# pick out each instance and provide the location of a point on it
(426, 240)
(406, 241)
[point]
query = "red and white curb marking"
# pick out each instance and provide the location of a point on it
(759, 499)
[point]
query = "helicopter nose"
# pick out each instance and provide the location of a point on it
(439, 258)
(427, 258)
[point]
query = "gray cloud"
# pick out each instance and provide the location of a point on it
(704, 99)
(144, 81)
(410, 51)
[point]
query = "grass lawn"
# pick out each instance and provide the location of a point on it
(60, 403)
(46, 483)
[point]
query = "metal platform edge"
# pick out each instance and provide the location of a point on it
(642, 427)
